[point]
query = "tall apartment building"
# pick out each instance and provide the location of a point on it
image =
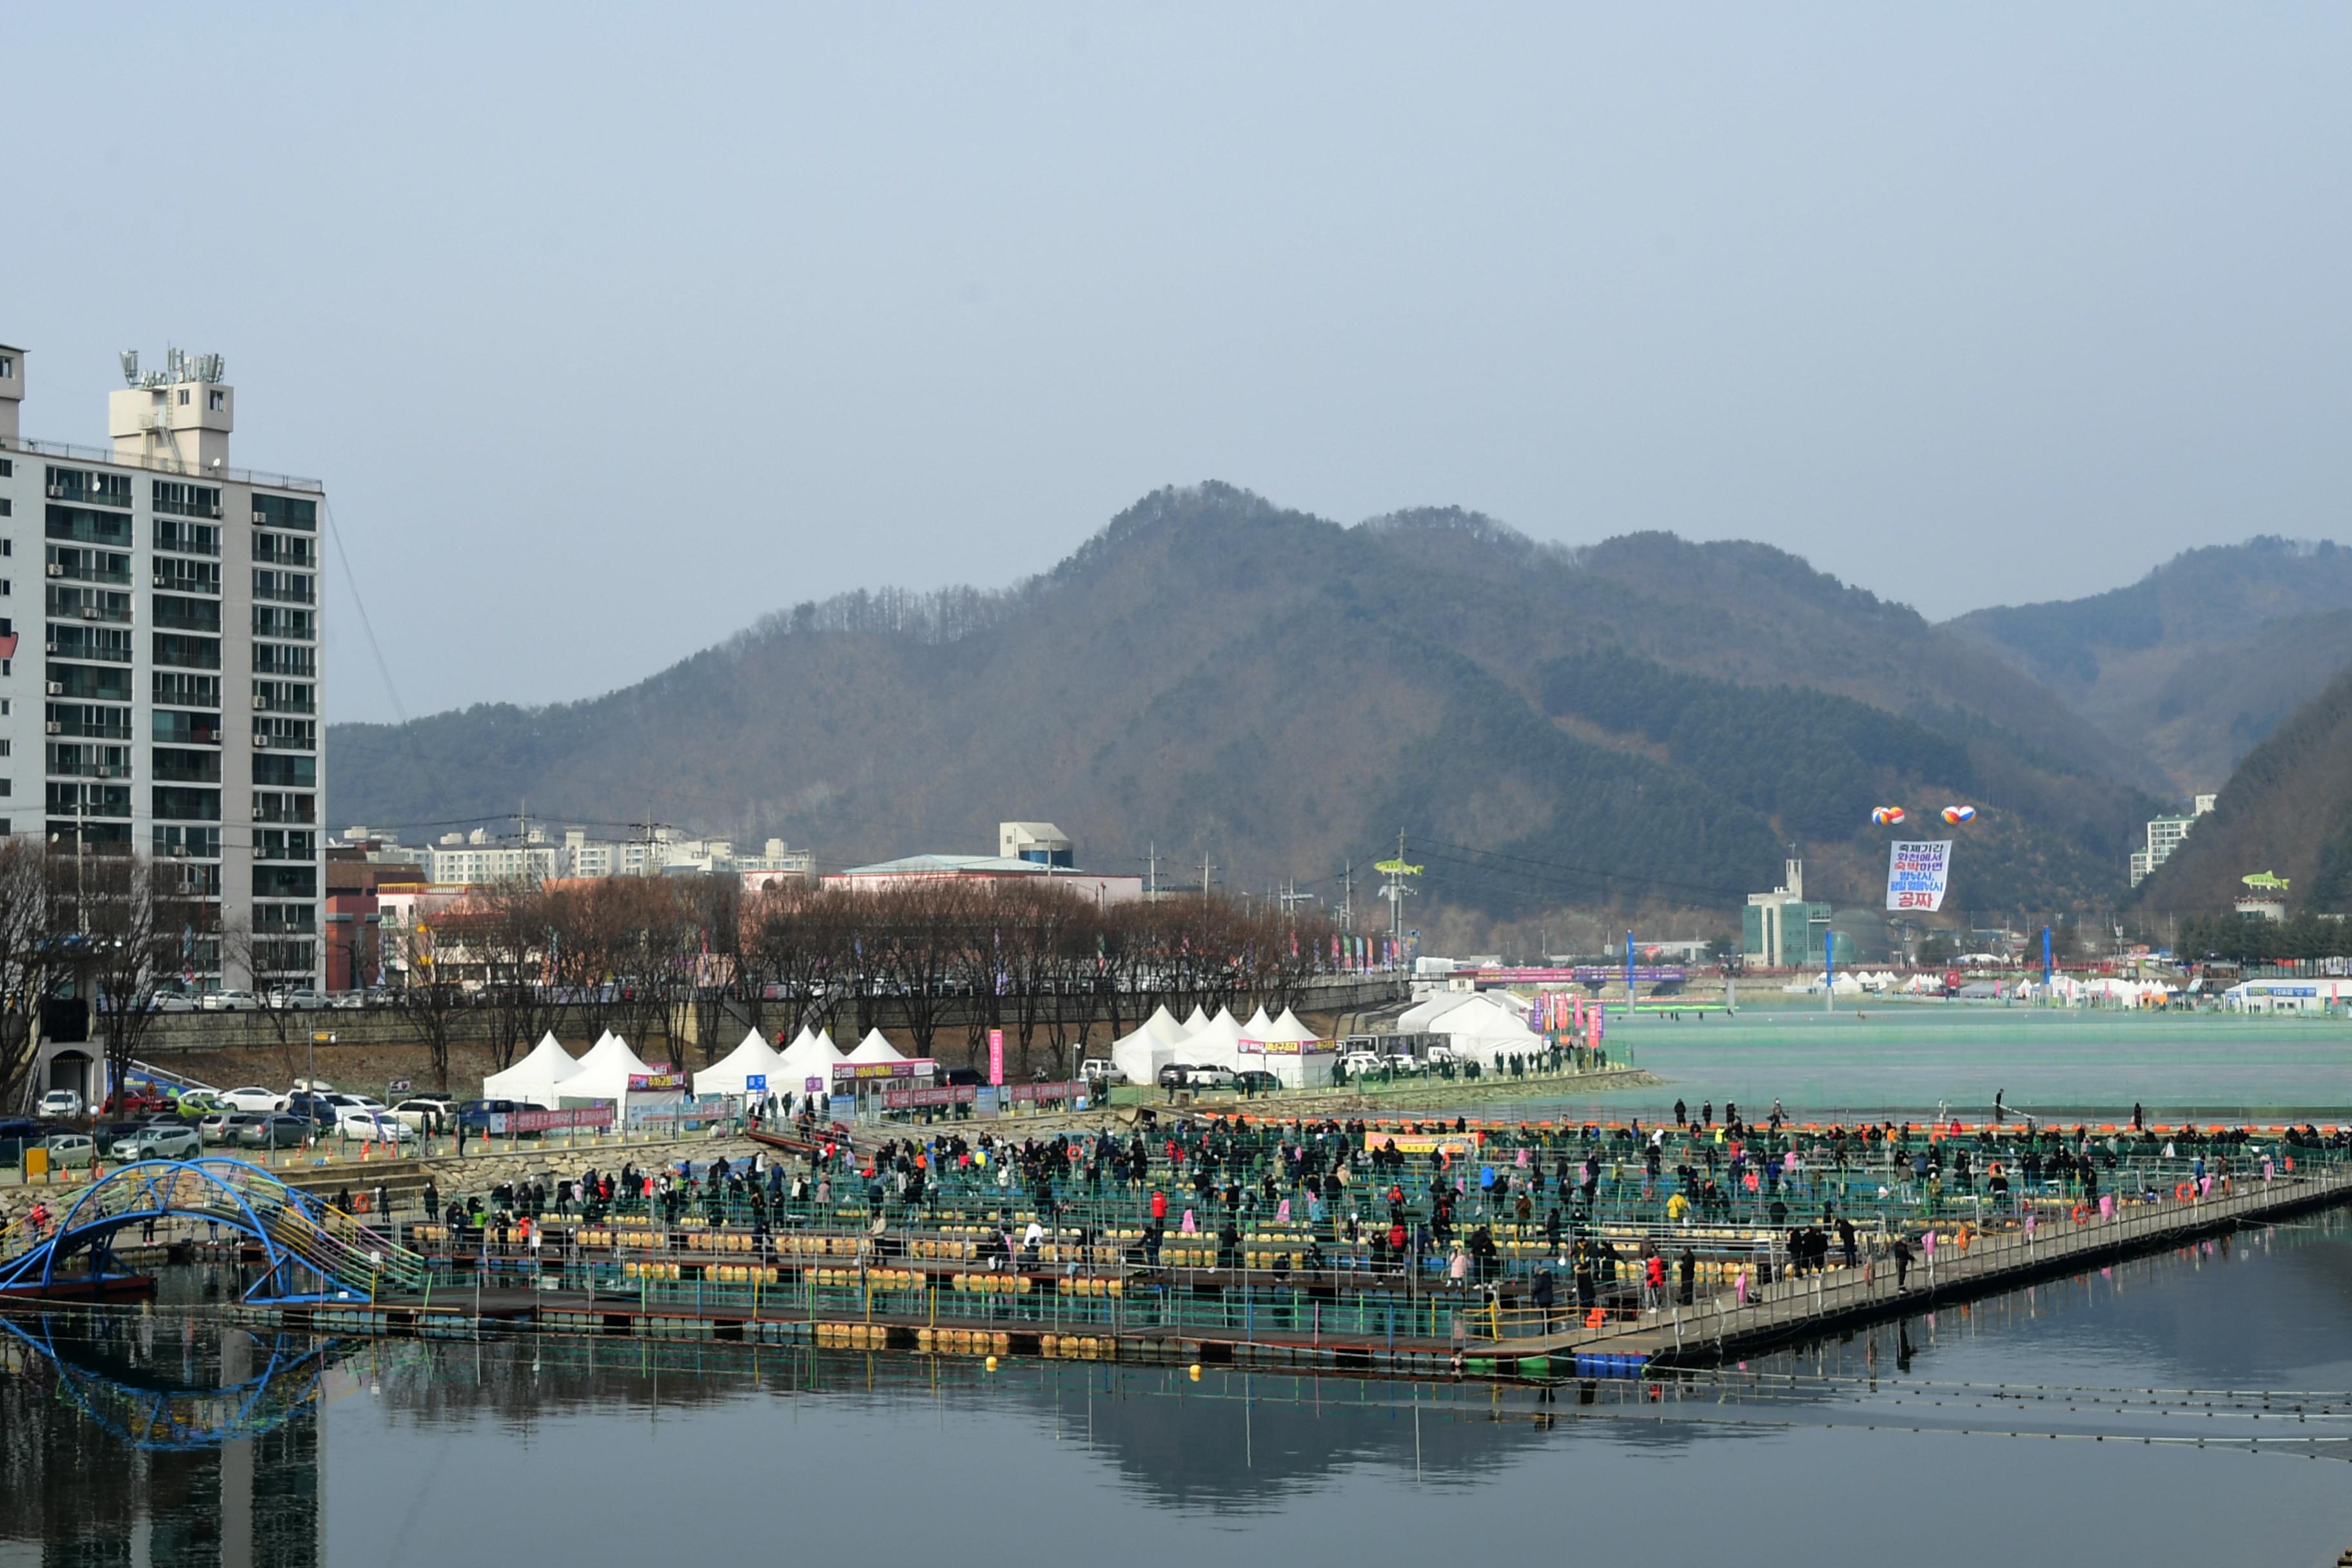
(170, 703)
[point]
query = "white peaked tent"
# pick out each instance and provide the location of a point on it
(1295, 1067)
(731, 1073)
(1191, 1026)
(809, 1057)
(1215, 1044)
(1139, 1056)
(533, 1079)
(605, 1072)
(874, 1048)
(1288, 1027)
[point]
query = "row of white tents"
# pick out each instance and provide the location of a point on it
(1203, 1041)
(787, 1072)
(551, 1075)
(1478, 1027)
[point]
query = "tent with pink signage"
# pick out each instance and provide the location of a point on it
(613, 1073)
(810, 1056)
(1292, 1052)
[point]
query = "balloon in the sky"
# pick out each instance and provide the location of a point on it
(1887, 816)
(1956, 815)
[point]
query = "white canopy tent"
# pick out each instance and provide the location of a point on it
(532, 1079)
(1216, 1044)
(874, 1048)
(1298, 1066)
(1485, 1030)
(808, 1057)
(1421, 1018)
(731, 1073)
(605, 1072)
(1140, 1054)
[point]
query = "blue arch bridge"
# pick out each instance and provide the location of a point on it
(309, 1250)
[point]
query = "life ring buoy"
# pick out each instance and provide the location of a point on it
(2184, 1191)
(360, 1203)
(2077, 1214)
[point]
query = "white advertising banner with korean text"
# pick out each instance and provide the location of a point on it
(1915, 874)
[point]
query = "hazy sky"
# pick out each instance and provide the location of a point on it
(612, 330)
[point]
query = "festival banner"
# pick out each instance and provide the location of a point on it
(1458, 1145)
(548, 1120)
(1915, 874)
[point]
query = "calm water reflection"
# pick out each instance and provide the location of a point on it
(154, 1440)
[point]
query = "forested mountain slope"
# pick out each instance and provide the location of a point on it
(2197, 661)
(1644, 721)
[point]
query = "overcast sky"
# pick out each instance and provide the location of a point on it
(611, 330)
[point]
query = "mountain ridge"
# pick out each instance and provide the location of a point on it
(1279, 692)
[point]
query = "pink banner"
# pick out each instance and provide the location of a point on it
(548, 1121)
(996, 1055)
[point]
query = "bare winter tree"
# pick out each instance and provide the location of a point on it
(123, 912)
(506, 929)
(30, 960)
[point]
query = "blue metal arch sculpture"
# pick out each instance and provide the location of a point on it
(295, 1231)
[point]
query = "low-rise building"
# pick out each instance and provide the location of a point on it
(1781, 930)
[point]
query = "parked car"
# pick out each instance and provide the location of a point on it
(276, 1132)
(347, 1001)
(1176, 1075)
(230, 1002)
(137, 1103)
(170, 1002)
(61, 1103)
(1256, 1080)
(177, 1141)
(474, 1115)
(222, 1126)
(69, 1150)
(373, 1123)
(1100, 1067)
(106, 1132)
(318, 1110)
(428, 1115)
(301, 998)
(1360, 1062)
(253, 1098)
(195, 1105)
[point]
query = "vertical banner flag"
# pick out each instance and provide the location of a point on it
(1916, 873)
(996, 1055)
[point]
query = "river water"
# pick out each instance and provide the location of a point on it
(1874, 1058)
(160, 1437)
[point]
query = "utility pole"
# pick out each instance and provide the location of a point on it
(1347, 897)
(1151, 871)
(1205, 869)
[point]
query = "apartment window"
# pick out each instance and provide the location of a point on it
(175, 691)
(201, 842)
(185, 499)
(177, 801)
(197, 653)
(183, 397)
(7, 507)
(7, 369)
(216, 400)
(286, 512)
